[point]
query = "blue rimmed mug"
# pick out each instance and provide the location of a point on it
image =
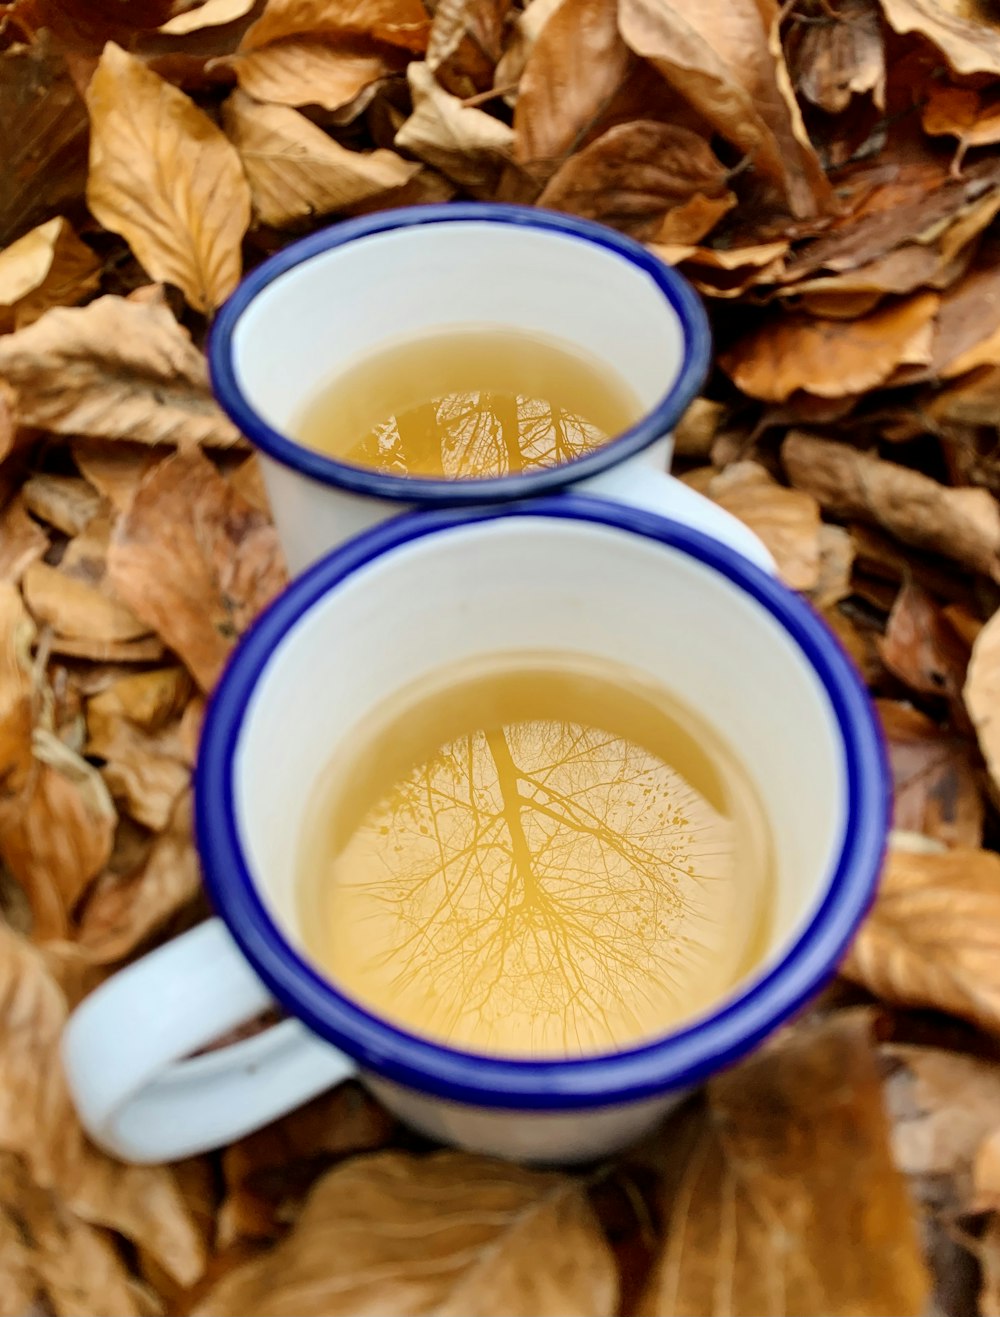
(404, 600)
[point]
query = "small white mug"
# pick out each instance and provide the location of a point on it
(406, 599)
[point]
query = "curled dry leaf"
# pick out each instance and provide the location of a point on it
(451, 1234)
(780, 1190)
(787, 520)
(165, 177)
(726, 60)
(935, 791)
(65, 502)
(402, 23)
(211, 13)
(527, 27)
(465, 43)
(962, 113)
(114, 468)
(76, 610)
(961, 524)
(296, 171)
(696, 430)
(658, 182)
(49, 266)
(310, 71)
(22, 540)
(836, 562)
(195, 561)
(840, 57)
(982, 695)
(966, 33)
(919, 646)
(117, 369)
(831, 358)
(467, 145)
(933, 938)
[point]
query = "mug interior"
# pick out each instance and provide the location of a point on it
(424, 593)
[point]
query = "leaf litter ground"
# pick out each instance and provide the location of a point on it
(826, 174)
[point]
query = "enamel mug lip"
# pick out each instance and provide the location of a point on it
(674, 1061)
(655, 424)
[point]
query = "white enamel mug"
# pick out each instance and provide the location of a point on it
(306, 314)
(407, 599)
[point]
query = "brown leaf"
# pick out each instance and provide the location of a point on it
(933, 938)
(165, 177)
(840, 57)
(831, 358)
(465, 43)
(920, 648)
(836, 562)
(964, 31)
(75, 609)
(577, 64)
(967, 320)
(311, 71)
(116, 369)
(402, 23)
(935, 792)
(450, 1234)
(195, 561)
(962, 113)
(22, 541)
(465, 144)
(49, 266)
(781, 1189)
(65, 502)
(211, 13)
(726, 60)
(697, 428)
(787, 520)
(42, 147)
(638, 175)
(982, 694)
(961, 524)
(115, 468)
(296, 171)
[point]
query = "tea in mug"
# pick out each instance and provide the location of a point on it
(539, 856)
(468, 403)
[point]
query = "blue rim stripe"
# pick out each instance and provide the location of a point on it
(681, 1058)
(458, 493)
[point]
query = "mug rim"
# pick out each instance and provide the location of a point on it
(654, 424)
(677, 1059)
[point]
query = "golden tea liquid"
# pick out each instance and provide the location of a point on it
(541, 857)
(468, 403)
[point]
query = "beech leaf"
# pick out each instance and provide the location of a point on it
(402, 23)
(982, 694)
(787, 520)
(843, 58)
(970, 44)
(465, 144)
(211, 13)
(311, 71)
(165, 177)
(49, 266)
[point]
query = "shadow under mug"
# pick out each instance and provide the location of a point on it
(406, 599)
(333, 298)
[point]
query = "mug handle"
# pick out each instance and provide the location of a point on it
(641, 485)
(124, 1047)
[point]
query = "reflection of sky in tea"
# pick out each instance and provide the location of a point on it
(540, 888)
(480, 433)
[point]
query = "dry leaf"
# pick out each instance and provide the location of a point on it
(725, 59)
(787, 520)
(195, 561)
(982, 694)
(467, 145)
(933, 938)
(841, 56)
(451, 1234)
(49, 266)
(961, 524)
(165, 177)
(465, 43)
(65, 502)
(836, 563)
(22, 541)
(962, 113)
(780, 1192)
(935, 792)
(638, 175)
(310, 71)
(402, 23)
(211, 13)
(963, 31)
(116, 369)
(696, 430)
(831, 358)
(296, 171)
(114, 468)
(920, 648)
(527, 28)
(75, 609)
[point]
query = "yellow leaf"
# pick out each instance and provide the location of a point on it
(466, 144)
(165, 177)
(49, 266)
(449, 1234)
(296, 170)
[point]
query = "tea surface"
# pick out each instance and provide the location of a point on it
(548, 859)
(468, 403)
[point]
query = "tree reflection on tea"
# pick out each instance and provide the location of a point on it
(534, 885)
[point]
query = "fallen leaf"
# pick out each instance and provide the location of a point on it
(576, 65)
(840, 56)
(451, 1234)
(967, 320)
(49, 266)
(935, 792)
(780, 1190)
(43, 148)
(165, 177)
(696, 430)
(961, 524)
(465, 144)
(114, 468)
(22, 541)
(920, 648)
(639, 175)
(296, 171)
(465, 44)
(836, 562)
(311, 71)
(116, 369)
(831, 358)
(212, 13)
(725, 58)
(962, 30)
(402, 23)
(933, 937)
(75, 609)
(195, 561)
(962, 113)
(65, 502)
(787, 520)
(982, 694)
(527, 28)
